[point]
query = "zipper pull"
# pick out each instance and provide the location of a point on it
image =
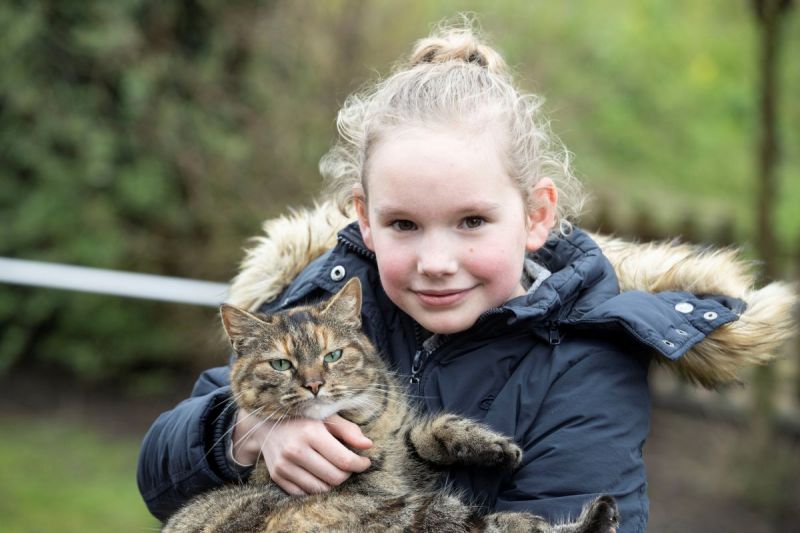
(555, 336)
(416, 365)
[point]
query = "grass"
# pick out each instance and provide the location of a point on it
(59, 477)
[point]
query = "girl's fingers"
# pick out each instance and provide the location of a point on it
(337, 454)
(321, 468)
(297, 481)
(347, 432)
(289, 487)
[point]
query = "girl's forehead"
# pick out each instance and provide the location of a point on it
(437, 158)
(421, 150)
(438, 176)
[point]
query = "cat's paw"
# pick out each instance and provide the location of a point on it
(448, 439)
(602, 516)
(492, 449)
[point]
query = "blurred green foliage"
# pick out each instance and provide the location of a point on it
(154, 136)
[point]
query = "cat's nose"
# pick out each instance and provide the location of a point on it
(314, 386)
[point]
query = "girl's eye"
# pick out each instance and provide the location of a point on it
(281, 364)
(473, 222)
(332, 356)
(404, 225)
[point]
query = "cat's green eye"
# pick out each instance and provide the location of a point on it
(281, 364)
(332, 356)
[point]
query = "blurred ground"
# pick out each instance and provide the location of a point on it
(693, 462)
(696, 478)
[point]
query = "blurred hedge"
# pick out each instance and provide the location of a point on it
(146, 136)
(154, 136)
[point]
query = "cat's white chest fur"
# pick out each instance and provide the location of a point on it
(322, 407)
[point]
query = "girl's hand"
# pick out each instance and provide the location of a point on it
(303, 456)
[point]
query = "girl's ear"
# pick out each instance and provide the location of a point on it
(541, 213)
(360, 203)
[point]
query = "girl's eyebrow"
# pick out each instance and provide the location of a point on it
(480, 207)
(391, 211)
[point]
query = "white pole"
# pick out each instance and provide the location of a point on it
(118, 283)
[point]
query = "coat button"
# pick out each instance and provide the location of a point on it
(684, 307)
(668, 344)
(710, 315)
(681, 332)
(337, 273)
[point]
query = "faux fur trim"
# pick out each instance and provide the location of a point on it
(292, 241)
(756, 338)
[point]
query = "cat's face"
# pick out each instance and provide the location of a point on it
(309, 361)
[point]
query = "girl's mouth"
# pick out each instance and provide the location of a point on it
(441, 298)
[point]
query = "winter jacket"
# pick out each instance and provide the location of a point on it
(562, 369)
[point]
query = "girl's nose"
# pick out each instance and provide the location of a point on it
(435, 258)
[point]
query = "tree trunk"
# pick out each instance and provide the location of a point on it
(769, 14)
(769, 25)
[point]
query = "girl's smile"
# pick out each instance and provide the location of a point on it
(441, 298)
(447, 224)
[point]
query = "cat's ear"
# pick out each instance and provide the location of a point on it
(240, 326)
(346, 304)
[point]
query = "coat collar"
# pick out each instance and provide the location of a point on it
(707, 340)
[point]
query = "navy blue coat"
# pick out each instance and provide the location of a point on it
(562, 369)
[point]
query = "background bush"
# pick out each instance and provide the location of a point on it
(155, 136)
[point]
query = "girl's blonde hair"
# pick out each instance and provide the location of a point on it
(454, 78)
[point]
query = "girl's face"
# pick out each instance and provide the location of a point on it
(448, 226)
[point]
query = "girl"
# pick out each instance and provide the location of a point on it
(478, 291)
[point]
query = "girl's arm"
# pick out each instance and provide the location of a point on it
(587, 440)
(183, 453)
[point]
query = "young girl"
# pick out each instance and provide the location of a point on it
(479, 292)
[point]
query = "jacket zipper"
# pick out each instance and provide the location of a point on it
(369, 254)
(422, 356)
(416, 365)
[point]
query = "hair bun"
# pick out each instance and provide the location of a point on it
(457, 44)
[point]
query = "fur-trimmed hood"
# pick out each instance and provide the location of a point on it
(292, 241)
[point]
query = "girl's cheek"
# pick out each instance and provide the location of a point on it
(492, 261)
(393, 267)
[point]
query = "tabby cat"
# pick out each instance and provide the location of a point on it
(313, 361)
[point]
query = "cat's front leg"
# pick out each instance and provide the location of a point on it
(447, 439)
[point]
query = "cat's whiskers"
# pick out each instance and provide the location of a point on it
(256, 427)
(275, 424)
(230, 402)
(227, 432)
